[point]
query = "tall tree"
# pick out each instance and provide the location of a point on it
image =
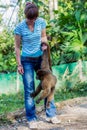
(55, 2)
(53, 5)
(51, 9)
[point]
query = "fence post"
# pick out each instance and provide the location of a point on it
(18, 82)
(80, 70)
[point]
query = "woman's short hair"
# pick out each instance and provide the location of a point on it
(31, 10)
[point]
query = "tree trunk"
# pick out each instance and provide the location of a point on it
(55, 4)
(51, 9)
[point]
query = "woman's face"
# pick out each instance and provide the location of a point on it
(31, 21)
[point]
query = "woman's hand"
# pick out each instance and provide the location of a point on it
(20, 69)
(44, 47)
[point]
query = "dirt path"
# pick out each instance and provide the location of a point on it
(72, 113)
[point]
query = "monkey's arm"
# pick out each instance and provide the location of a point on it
(37, 91)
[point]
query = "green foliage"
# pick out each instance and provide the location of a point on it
(21, 11)
(43, 9)
(12, 102)
(7, 54)
(64, 95)
(69, 32)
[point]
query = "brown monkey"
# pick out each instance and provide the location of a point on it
(47, 79)
(46, 60)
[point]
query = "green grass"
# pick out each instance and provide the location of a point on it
(61, 96)
(12, 102)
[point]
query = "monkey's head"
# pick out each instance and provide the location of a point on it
(40, 74)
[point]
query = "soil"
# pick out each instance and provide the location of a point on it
(72, 113)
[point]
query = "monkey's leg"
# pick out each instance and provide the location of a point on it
(43, 95)
(50, 97)
(37, 91)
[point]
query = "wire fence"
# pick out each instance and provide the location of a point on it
(68, 76)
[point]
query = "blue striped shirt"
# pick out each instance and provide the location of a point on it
(31, 41)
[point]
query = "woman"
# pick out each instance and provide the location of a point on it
(29, 34)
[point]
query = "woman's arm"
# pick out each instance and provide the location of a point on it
(43, 36)
(17, 51)
(17, 48)
(43, 39)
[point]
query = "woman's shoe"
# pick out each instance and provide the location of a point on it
(33, 125)
(53, 120)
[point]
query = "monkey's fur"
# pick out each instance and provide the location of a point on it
(47, 79)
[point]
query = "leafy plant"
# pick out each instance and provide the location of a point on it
(7, 54)
(69, 32)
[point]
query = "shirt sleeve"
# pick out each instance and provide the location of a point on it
(17, 30)
(43, 25)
